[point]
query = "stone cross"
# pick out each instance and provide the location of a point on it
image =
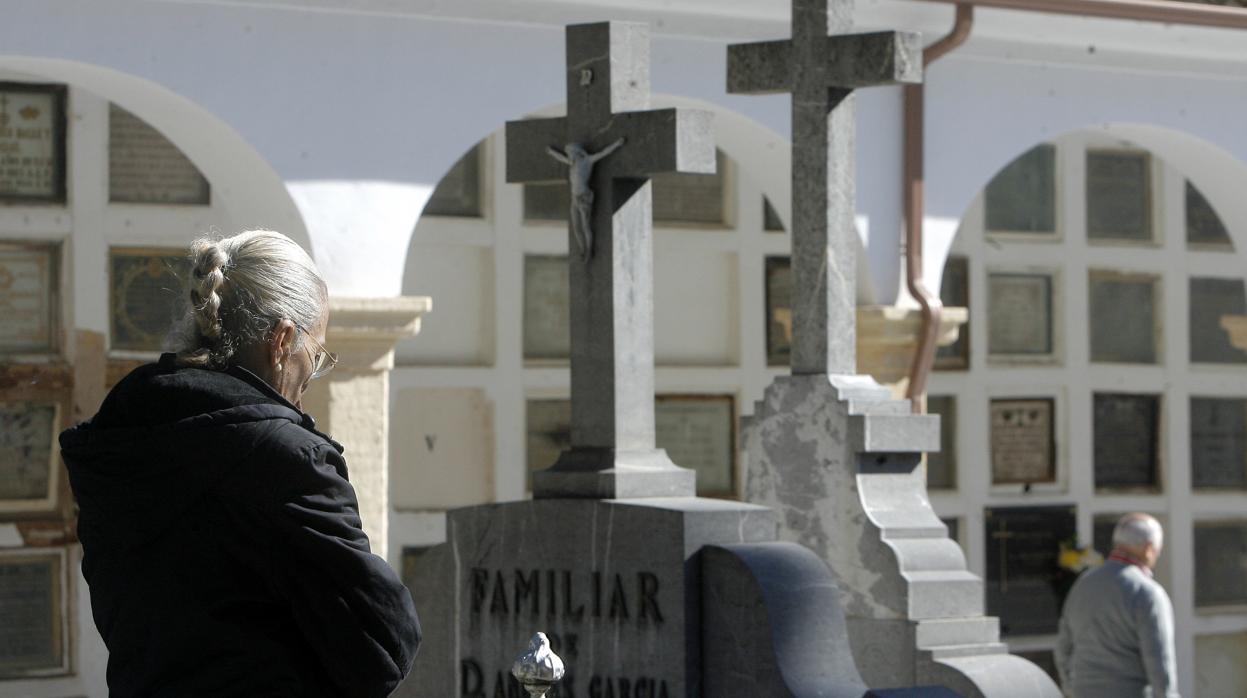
(821, 72)
(612, 325)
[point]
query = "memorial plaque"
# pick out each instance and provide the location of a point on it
(1021, 198)
(1023, 582)
(458, 194)
(942, 464)
(1023, 441)
(28, 459)
(699, 432)
(1209, 300)
(1119, 196)
(1220, 563)
(679, 198)
(1124, 327)
(547, 322)
(955, 293)
(29, 283)
(1019, 314)
(146, 296)
(1204, 227)
(32, 603)
(32, 143)
(1218, 442)
(144, 167)
(1220, 662)
(771, 221)
(549, 432)
(778, 311)
(1126, 435)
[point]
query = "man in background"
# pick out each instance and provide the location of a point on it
(1116, 636)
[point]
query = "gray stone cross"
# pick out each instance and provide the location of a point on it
(821, 72)
(612, 321)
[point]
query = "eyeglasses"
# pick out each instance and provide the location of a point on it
(323, 361)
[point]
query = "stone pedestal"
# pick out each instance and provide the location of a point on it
(839, 460)
(352, 403)
(887, 338)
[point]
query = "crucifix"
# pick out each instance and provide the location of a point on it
(1003, 535)
(822, 72)
(610, 144)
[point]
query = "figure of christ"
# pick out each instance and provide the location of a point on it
(579, 169)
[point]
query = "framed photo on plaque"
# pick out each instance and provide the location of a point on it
(29, 460)
(1023, 441)
(1020, 324)
(32, 143)
(778, 311)
(34, 637)
(145, 296)
(547, 316)
(1119, 196)
(29, 298)
(699, 433)
(144, 167)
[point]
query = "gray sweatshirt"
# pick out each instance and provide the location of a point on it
(1116, 636)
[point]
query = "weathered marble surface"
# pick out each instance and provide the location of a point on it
(839, 460)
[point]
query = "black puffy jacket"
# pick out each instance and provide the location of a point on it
(223, 549)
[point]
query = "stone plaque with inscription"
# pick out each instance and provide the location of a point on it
(1218, 442)
(27, 454)
(1124, 325)
(32, 633)
(547, 328)
(1021, 198)
(1220, 549)
(1023, 571)
(32, 142)
(1119, 196)
(144, 167)
(1019, 314)
(778, 310)
(458, 194)
(942, 464)
(146, 296)
(1204, 227)
(1209, 300)
(1023, 441)
(29, 281)
(1126, 431)
(678, 198)
(699, 432)
(955, 293)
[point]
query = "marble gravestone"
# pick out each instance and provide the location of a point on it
(832, 451)
(610, 557)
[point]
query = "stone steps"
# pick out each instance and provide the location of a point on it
(951, 632)
(944, 594)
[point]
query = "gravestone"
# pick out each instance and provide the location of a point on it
(1220, 548)
(831, 451)
(1211, 299)
(1019, 315)
(1218, 442)
(1025, 584)
(1126, 440)
(1023, 440)
(606, 559)
(1123, 318)
(1021, 198)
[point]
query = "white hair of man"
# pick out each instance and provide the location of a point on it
(1135, 531)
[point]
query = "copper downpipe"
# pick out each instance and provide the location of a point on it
(1164, 11)
(932, 308)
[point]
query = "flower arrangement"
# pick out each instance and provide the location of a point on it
(1077, 560)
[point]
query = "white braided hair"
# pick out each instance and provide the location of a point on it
(239, 288)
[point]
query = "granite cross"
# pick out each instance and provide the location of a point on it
(821, 72)
(613, 451)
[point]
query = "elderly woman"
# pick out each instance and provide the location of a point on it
(221, 539)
